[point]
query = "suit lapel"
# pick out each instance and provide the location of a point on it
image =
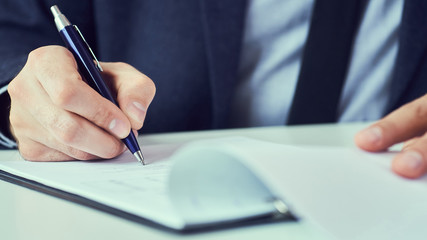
(411, 53)
(223, 22)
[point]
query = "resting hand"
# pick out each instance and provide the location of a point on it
(56, 116)
(408, 123)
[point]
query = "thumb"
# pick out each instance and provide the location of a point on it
(135, 91)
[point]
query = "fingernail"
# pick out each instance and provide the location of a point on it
(411, 160)
(137, 111)
(118, 128)
(372, 135)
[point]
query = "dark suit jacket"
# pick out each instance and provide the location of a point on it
(189, 48)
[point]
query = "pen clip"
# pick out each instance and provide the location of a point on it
(90, 50)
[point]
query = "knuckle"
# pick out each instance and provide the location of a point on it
(18, 125)
(83, 156)
(36, 54)
(75, 77)
(42, 59)
(64, 95)
(13, 88)
(54, 156)
(102, 117)
(13, 118)
(65, 128)
(46, 51)
(151, 87)
(146, 85)
(45, 71)
(15, 121)
(420, 110)
(78, 154)
(122, 65)
(31, 153)
(18, 90)
(64, 51)
(41, 51)
(114, 150)
(68, 132)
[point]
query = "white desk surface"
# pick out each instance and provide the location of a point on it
(27, 214)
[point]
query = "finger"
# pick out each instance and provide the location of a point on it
(37, 152)
(27, 127)
(37, 133)
(135, 132)
(67, 90)
(412, 162)
(135, 91)
(410, 142)
(406, 122)
(72, 130)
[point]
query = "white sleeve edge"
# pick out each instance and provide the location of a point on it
(5, 141)
(3, 89)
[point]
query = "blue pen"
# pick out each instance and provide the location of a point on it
(90, 68)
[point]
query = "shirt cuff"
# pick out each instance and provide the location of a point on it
(4, 140)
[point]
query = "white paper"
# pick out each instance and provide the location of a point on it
(208, 186)
(147, 191)
(350, 193)
(122, 183)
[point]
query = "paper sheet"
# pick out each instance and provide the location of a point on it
(349, 193)
(147, 191)
(121, 183)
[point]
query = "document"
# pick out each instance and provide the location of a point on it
(349, 193)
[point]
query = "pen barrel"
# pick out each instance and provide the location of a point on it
(91, 74)
(130, 141)
(85, 62)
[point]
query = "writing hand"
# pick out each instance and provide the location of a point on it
(56, 116)
(408, 123)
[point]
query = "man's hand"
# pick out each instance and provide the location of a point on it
(408, 123)
(56, 116)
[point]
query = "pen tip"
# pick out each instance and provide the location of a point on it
(139, 157)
